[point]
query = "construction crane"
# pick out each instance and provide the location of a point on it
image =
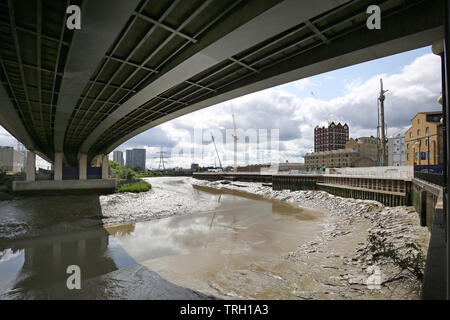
(215, 147)
(235, 137)
(382, 124)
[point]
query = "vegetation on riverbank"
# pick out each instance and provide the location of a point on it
(124, 173)
(141, 186)
(411, 259)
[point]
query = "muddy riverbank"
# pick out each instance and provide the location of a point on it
(174, 236)
(339, 263)
(234, 241)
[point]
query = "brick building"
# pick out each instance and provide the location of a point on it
(361, 152)
(333, 137)
(424, 139)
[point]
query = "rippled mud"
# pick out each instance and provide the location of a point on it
(191, 239)
(337, 264)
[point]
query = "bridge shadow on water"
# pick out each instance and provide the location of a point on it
(41, 237)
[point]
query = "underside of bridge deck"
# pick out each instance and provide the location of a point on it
(136, 64)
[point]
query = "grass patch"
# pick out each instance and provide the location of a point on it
(5, 196)
(141, 186)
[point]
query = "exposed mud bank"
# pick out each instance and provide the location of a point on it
(339, 263)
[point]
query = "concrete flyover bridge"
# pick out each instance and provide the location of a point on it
(72, 96)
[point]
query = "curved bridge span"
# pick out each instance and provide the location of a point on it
(73, 95)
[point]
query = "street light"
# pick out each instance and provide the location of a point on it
(418, 154)
(428, 157)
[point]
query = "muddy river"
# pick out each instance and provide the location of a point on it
(196, 242)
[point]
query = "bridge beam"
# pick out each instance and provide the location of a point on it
(10, 120)
(271, 22)
(102, 21)
(397, 35)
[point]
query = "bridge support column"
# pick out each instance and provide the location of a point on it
(105, 166)
(445, 62)
(82, 166)
(31, 166)
(58, 166)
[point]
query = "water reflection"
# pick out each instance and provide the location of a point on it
(36, 267)
(230, 232)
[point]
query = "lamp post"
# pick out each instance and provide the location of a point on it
(428, 157)
(418, 153)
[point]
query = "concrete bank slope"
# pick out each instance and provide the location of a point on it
(340, 263)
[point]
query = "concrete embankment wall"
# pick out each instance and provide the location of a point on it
(391, 191)
(233, 176)
(58, 187)
(425, 199)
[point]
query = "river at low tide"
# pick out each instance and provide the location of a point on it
(196, 242)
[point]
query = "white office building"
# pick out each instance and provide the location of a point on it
(11, 159)
(396, 151)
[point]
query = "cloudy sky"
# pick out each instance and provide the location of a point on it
(286, 115)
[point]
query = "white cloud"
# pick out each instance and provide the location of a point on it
(301, 84)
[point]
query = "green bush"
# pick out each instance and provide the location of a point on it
(137, 187)
(125, 173)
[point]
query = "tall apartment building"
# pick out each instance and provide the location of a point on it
(396, 151)
(135, 158)
(361, 152)
(424, 140)
(333, 137)
(118, 157)
(11, 159)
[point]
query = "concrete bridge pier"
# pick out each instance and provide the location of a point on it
(31, 166)
(58, 166)
(65, 186)
(82, 166)
(105, 166)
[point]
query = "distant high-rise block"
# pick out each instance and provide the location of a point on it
(135, 158)
(118, 157)
(332, 138)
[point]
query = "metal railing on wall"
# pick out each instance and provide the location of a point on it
(432, 174)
